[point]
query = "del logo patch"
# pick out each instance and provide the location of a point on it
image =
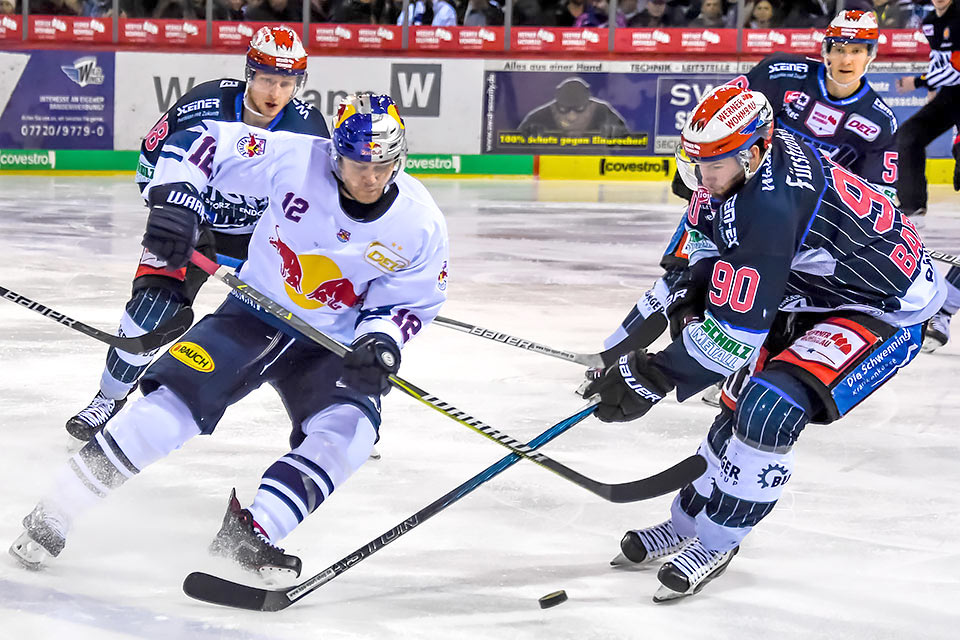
(824, 120)
(250, 146)
(193, 356)
(866, 129)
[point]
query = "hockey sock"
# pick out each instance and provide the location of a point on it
(146, 310)
(152, 428)
(756, 462)
(338, 440)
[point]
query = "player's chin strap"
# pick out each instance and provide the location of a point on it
(622, 492)
(249, 107)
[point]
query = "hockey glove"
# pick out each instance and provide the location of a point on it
(688, 297)
(173, 225)
(629, 388)
(366, 369)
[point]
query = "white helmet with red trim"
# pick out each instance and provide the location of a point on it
(851, 27)
(726, 123)
(277, 50)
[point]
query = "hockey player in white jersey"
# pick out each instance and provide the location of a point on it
(351, 244)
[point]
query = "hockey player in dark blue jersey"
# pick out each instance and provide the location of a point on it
(276, 69)
(803, 271)
(829, 104)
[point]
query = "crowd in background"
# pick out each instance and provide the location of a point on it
(757, 14)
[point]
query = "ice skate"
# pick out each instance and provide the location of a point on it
(240, 539)
(43, 538)
(711, 396)
(643, 546)
(94, 416)
(690, 571)
(938, 332)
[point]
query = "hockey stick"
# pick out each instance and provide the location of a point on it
(634, 341)
(167, 332)
(625, 492)
(586, 359)
(203, 586)
(944, 257)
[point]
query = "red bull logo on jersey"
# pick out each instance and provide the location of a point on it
(250, 146)
(193, 355)
(313, 281)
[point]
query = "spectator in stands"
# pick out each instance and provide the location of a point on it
(437, 13)
(231, 9)
(567, 12)
(655, 14)
(762, 15)
(55, 7)
(890, 14)
(630, 8)
(597, 16)
(186, 10)
(275, 11)
(527, 12)
(353, 11)
(483, 13)
(713, 15)
(7, 7)
(809, 13)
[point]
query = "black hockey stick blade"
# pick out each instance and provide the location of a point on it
(667, 481)
(208, 588)
(167, 332)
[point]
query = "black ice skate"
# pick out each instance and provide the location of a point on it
(94, 416)
(42, 539)
(642, 546)
(241, 540)
(690, 571)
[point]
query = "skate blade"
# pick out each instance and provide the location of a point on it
(666, 594)
(622, 561)
(374, 454)
(930, 345)
(29, 553)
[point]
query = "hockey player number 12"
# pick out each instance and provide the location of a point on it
(861, 198)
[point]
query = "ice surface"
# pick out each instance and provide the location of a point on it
(862, 545)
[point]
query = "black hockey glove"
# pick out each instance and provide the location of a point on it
(629, 388)
(173, 225)
(374, 357)
(688, 297)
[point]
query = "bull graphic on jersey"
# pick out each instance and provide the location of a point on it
(291, 270)
(335, 293)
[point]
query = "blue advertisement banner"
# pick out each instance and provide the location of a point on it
(57, 100)
(615, 112)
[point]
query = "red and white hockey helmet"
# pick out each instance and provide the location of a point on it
(277, 50)
(853, 26)
(726, 123)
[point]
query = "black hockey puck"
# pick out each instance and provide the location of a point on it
(553, 599)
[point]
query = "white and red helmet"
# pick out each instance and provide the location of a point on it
(853, 26)
(727, 122)
(277, 50)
